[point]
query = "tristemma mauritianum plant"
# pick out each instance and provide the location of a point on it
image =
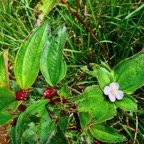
(46, 118)
(40, 109)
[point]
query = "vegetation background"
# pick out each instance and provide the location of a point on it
(98, 30)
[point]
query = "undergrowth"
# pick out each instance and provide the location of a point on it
(117, 24)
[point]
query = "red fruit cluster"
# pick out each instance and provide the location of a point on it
(50, 93)
(22, 95)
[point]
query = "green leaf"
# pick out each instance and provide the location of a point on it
(30, 134)
(46, 128)
(62, 123)
(104, 77)
(13, 135)
(105, 133)
(129, 73)
(127, 103)
(64, 92)
(52, 66)
(35, 124)
(6, 96)
(141, 112)
(58, 138)
(103, 111)
(91, 69)
(4, 76)
(28, 57)
(94, 102)
(44, 7)
(7, 105)
(85, 119)
(105, 65)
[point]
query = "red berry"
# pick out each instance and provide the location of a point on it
(48, 93)
(22, 95)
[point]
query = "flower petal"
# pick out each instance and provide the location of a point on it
(119, 95)
(114, 86)
(107, 90)
(112, 97)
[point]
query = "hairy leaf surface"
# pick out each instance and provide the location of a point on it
(52, 65)
(129, 73)
(28, 57)
(105, 133)
(35, 124)
(104, 77)
(85, 119)
(94, 102)
(127, 103)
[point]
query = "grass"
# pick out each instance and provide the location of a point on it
(117, 24)
(15, 24)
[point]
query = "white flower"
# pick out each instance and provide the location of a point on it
(113, 92)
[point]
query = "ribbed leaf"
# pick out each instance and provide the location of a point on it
(103, 111)
(34, 125)
(104, 77)
(6, 97)
(129, 73)
(85, 119)
(105, 133)
(127, 103)
(7, 105)
(28, 57)
(94, 102)
(4, 77)
(46, 128)
(52, 66)
(43, 7)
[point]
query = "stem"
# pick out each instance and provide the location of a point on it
(136, 130)
(78, 6)
(88, 28)
(77, 120)
(71, 88)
